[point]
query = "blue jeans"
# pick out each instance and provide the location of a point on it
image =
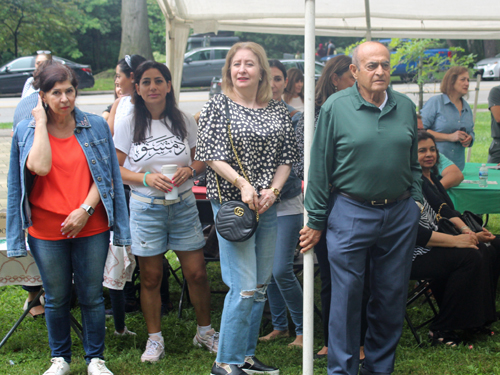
(284, 289)
(58, 261)
(244, 266)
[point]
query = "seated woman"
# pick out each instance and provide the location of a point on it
(464, 269)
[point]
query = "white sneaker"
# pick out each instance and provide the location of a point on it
(125, 332)
(155, 350)
(97, 367)
(59, 367)
(210, 340)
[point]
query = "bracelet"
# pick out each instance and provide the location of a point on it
(144, 179)
(236, 179)
(462, 229)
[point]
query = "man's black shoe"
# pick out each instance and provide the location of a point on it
(253, 366)
(226, 370)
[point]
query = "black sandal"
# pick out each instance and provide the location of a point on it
(448, 338)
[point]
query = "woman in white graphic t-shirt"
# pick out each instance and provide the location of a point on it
(158, 133)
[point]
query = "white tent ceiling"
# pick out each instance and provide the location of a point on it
(446, 19)
(443, 19)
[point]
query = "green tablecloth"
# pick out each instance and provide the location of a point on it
(471, 197)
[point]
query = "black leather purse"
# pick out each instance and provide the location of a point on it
(235, 221)
(473, 221)
(447, 227)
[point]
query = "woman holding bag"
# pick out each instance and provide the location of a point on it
(264, 143)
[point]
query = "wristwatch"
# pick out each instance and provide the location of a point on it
(275, 191)
(193, 174)
(87, 209)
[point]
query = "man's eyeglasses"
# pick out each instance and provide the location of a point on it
(371, 66)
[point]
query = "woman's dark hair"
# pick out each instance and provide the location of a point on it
(324, 88)
(294, 75)
(130, 63)
(278, 64)
(142, 116)
(41, 67)
(424, 135)
(54, 72)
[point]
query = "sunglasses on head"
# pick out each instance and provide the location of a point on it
(43, 52)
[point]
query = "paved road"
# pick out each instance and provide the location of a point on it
(192, 102)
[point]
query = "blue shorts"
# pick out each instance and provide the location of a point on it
(156, 228)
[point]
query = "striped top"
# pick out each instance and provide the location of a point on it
(428, 222)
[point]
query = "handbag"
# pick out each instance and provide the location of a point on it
(447, 227)
(473, 221)
(235, 221)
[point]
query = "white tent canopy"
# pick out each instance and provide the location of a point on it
(443, 19)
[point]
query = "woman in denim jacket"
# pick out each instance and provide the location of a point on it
(65, 188)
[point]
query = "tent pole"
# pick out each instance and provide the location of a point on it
(309, 87)
(368, 21)
(476, 97)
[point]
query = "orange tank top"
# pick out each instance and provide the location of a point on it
(63, 190)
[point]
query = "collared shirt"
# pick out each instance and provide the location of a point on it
(494, 100)
(444, 163)
(363, 151)
(24, 108)
(441, 115)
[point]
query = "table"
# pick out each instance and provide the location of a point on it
(471, 197)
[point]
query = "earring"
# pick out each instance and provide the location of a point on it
(260, 79)
(335, 87)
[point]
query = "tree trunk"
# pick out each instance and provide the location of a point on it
(490, 48)
(135, 29)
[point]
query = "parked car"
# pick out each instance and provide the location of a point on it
(318, 67)
(489, 68)
(216, 83)
(14, 74)
(202, 64)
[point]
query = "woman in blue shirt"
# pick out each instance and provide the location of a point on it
(448, 116)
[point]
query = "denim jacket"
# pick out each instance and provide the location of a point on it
(95, 139)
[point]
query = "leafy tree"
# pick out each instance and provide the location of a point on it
(157, 28)
(99, 33)
(29, 25)
(423, 66)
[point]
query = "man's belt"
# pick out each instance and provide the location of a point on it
(378, 202)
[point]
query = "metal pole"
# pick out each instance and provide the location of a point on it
(368, 21)
(476, 98)
(309, 85)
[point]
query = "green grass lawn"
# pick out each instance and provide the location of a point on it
(28, 347)
(5, 125)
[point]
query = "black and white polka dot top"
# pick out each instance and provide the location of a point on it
(264, 139)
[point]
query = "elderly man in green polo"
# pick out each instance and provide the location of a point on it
(364, 162)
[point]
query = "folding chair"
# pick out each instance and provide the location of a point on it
(423, 288)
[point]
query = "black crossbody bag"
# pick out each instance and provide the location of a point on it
(235, 221)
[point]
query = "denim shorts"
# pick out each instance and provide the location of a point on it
(156, 228)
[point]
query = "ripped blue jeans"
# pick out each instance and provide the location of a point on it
(245, 266)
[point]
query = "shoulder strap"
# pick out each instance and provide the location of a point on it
(228, 119)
